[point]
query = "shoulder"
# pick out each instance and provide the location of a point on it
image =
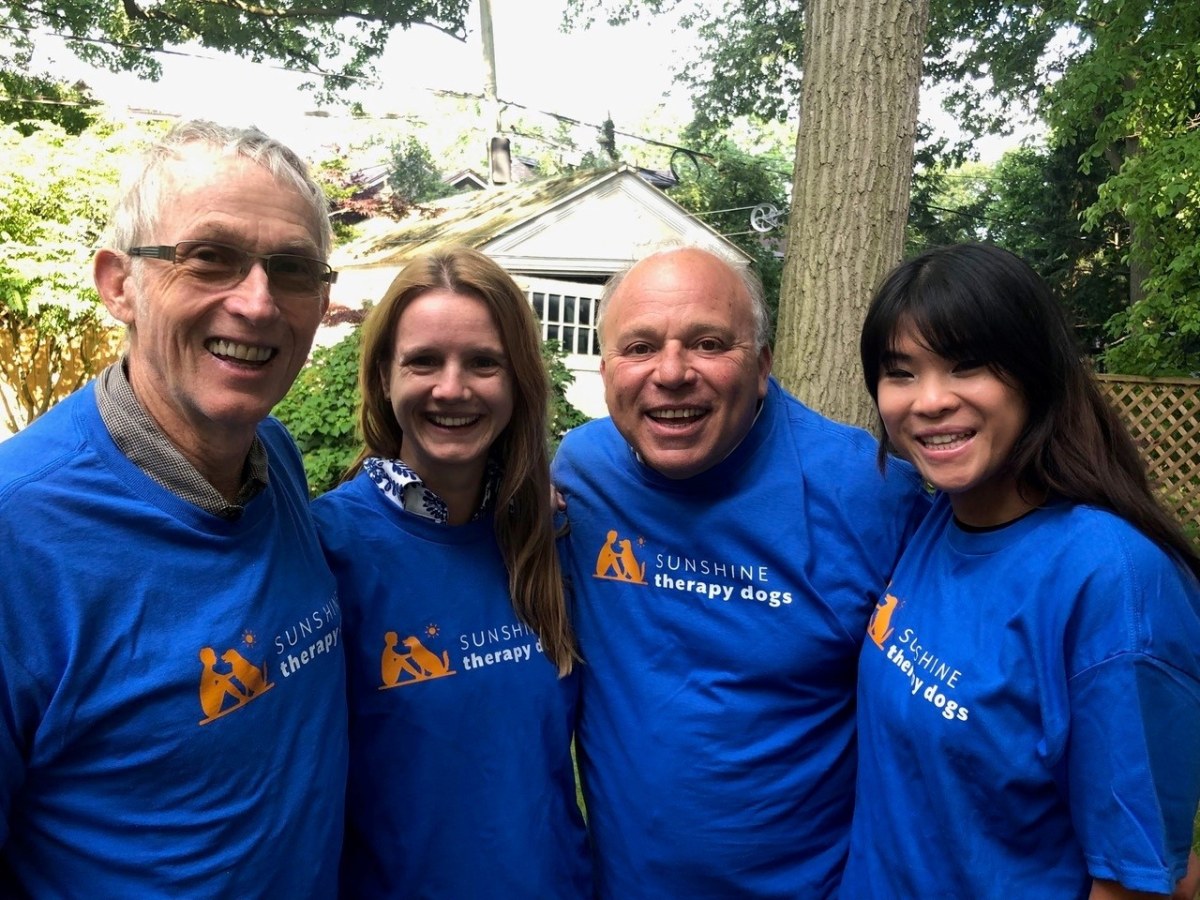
(343, 502)
(1126, 582)
(823, 433)
(45, 447)
(283, 457)
(588, 436)
(845, 456)
(279, 441)
(1157, 572)
(1100, 541)
(586, 445)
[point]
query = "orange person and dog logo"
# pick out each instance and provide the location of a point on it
(617, 561)
(880, 627)
(414, 664)
(230, 685)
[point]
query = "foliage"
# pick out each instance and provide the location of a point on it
(337, 40)
(321, 412)
(413, 176)
(563, 415)
(1040, 198)
(722, 195)
(321, 409)
(749, 61)
(1116, 82)
(1032, 201)
(1141, 72)
(948, 205)
(343, 191)
(29, 100)
(997, 56)
(55, 193)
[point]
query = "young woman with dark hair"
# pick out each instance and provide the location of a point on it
(1029, 692)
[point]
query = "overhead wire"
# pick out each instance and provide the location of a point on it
(691, 153)
(362, 79)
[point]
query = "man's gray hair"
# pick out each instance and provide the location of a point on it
(135, 215)
(738, 265)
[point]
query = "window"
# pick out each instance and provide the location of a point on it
(568, 319)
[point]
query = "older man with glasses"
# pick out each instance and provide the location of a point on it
(171, 677)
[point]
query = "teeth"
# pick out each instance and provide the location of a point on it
(244, 352)
(676, 413)
(941, 440)
(452, 421)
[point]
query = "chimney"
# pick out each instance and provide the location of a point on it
(501, 161)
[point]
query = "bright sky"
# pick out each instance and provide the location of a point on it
(587, 75)
(584, 75)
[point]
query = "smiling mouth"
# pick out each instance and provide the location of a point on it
(248, 354)
(453, 421)
(945, 441)
(681, 416)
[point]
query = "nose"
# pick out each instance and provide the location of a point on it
(251, 297)
(935, 396)
(674, 366)
(451, 383)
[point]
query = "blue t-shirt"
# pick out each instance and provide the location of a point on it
(461, 781)
(171, 684)
(1029, 713)
(720, 618)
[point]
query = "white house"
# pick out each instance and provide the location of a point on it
(560, 238)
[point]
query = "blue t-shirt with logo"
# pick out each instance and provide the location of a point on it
(1029, 713)
(720, 618)
(171, 683)
(461, 780)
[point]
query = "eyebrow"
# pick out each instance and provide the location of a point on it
(440, 349)
(638, 330)
(221, 234)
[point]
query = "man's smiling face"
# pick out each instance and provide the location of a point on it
(682, 374)
(207, 363)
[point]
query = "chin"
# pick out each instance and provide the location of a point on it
(676, 469)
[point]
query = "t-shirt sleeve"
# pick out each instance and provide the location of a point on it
(1134, 768)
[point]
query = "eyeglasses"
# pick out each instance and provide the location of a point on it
(221, 266)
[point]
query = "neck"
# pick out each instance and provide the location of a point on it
(218, 452)
(461, 491)
(995, 504)
(223, 465)
(461, 505)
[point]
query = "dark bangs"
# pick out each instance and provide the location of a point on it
(969, 302)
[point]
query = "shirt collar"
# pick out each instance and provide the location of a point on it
(138, 436)
(405, 488)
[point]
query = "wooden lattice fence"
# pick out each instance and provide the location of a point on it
(1163, 414)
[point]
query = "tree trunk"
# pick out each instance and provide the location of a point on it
(1140, 240)
(1137, 251)
(854, 153)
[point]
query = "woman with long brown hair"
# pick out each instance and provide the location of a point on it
(459, 650)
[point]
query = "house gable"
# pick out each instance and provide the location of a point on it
(560, 238)
(599, 230)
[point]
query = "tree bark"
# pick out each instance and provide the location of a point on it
(854, 157)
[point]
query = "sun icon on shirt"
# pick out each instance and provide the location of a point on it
(249, 638)
(432, 630)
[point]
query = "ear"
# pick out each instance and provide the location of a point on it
(111, 274)
(764, 370)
